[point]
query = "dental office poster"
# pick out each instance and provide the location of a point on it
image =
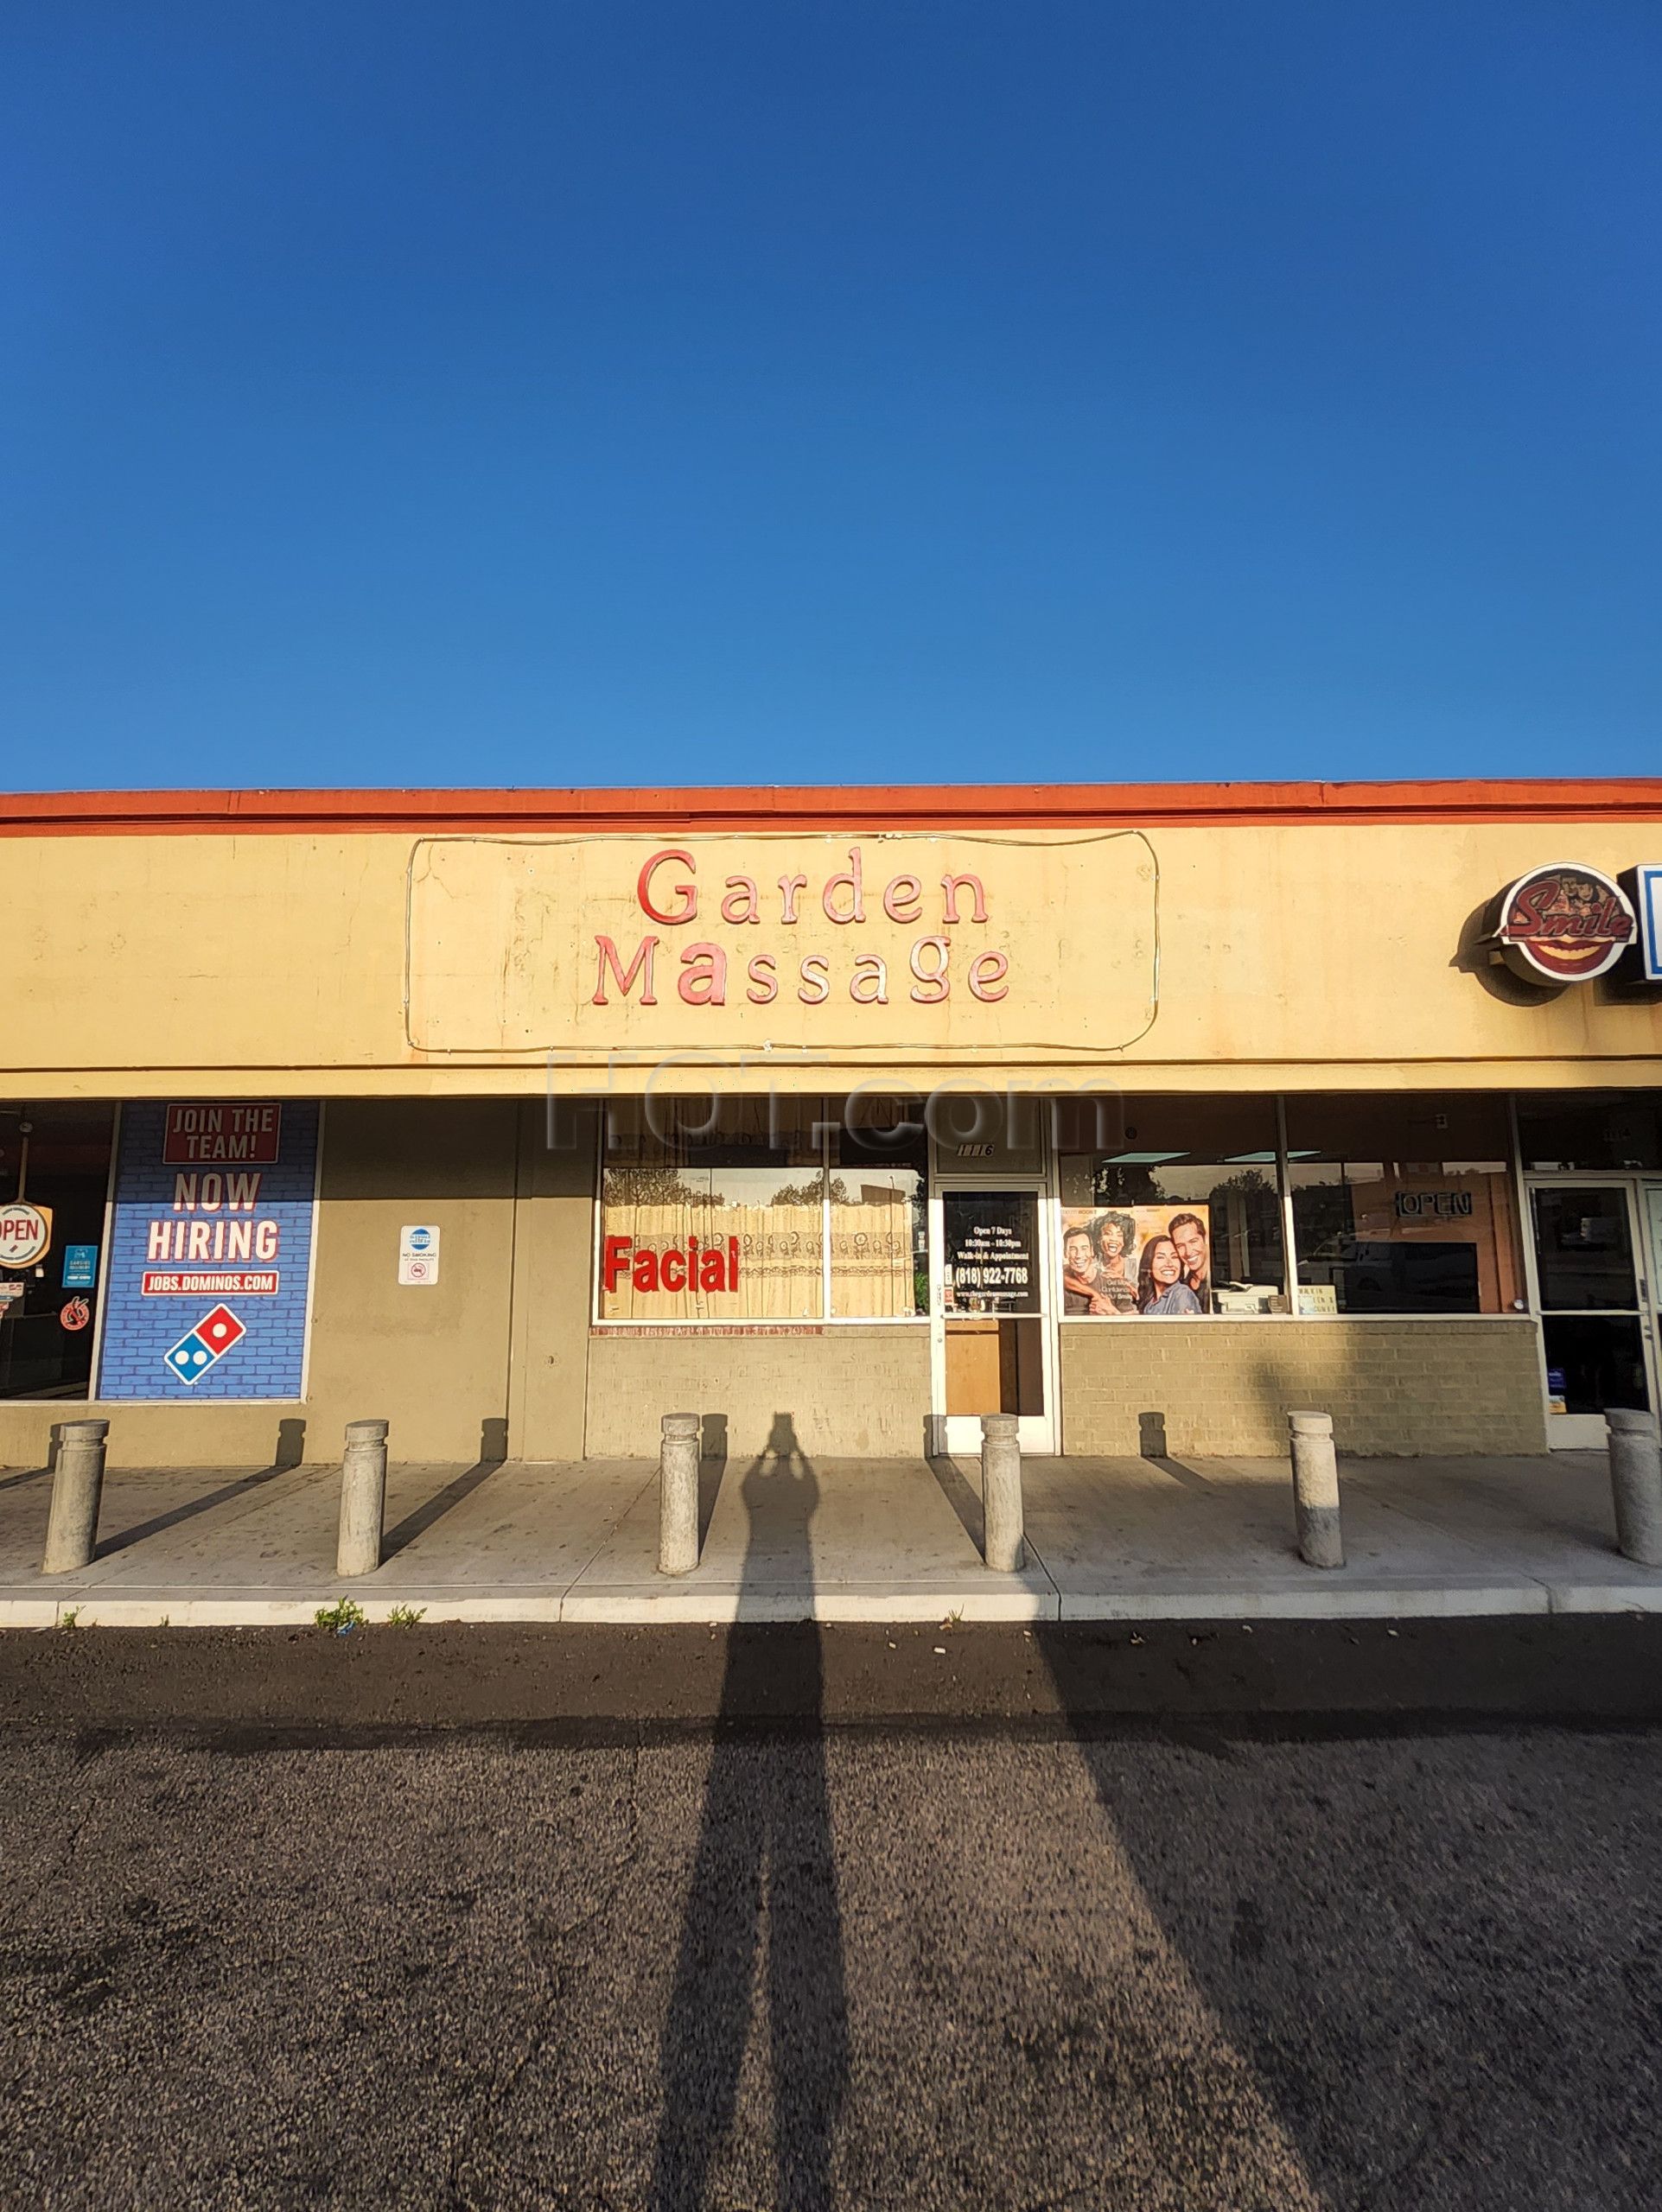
(1136, 1262)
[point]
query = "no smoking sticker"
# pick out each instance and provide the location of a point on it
(419, 1255)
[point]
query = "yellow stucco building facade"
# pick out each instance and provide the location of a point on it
(523, 1118)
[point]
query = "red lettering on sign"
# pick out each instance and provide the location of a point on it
(903, 899)
(742, 902)
(686, 892)
(987, 974)
(624, 978)
(703, 980)
(706, 1268)
(952, 885)
(616, 1261)
(854, 885)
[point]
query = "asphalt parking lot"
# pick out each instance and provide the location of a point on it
(1358, 1918)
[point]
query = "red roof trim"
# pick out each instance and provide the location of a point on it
(824, 807)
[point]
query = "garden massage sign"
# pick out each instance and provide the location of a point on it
(703, 963)
(867, 947)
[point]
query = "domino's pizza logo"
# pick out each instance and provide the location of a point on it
(206, 1344)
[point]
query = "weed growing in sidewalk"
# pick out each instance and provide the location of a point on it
(403, 1616)
(70, 1617)
(342, 1617)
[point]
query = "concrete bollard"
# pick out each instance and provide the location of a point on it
(1636, 1484)
(363, 1497)
(677, 1494)
(1003, 1545)
(72, 1529)
(1315, 1489)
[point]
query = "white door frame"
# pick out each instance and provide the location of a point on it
(1572, 1432)
(1040, 1432)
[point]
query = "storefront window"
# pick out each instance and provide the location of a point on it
(879, 1213)
(748, 1210)
(55, 1179)
(721, 1218)
(1602, 1131)
(810, 1210)
(1402, 1204)
(1180, 1216)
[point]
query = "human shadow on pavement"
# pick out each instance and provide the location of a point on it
(764, 1879)
(1433, 1945)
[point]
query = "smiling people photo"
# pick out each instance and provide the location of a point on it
(1162, 1292)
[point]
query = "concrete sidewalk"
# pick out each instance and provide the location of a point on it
(839, 1540)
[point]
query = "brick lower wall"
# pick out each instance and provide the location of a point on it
(848, 1393)
(1223, 1386)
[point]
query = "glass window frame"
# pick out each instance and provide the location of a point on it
(1262, 1105)
(1522, 1255)
(1519, 1256)
(826, 1131)
(25, 1110)
(1492, 1171)
(1534, 1108)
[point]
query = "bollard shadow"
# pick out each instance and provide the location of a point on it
(493, 1454)
(962, 1496)
(288, 1455)
(1153, 1449)
(141, 1530)
(46, 1472)
(764, 1881)
(712, 1465)
(1151, 1436)
(28, 1475)
(290, 1446)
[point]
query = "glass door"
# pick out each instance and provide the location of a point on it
(1596, 1301)
(1650, 1280)
(992, 1331)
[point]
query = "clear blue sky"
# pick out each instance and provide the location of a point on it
(829, 389)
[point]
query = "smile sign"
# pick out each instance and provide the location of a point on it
(1564, 924)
